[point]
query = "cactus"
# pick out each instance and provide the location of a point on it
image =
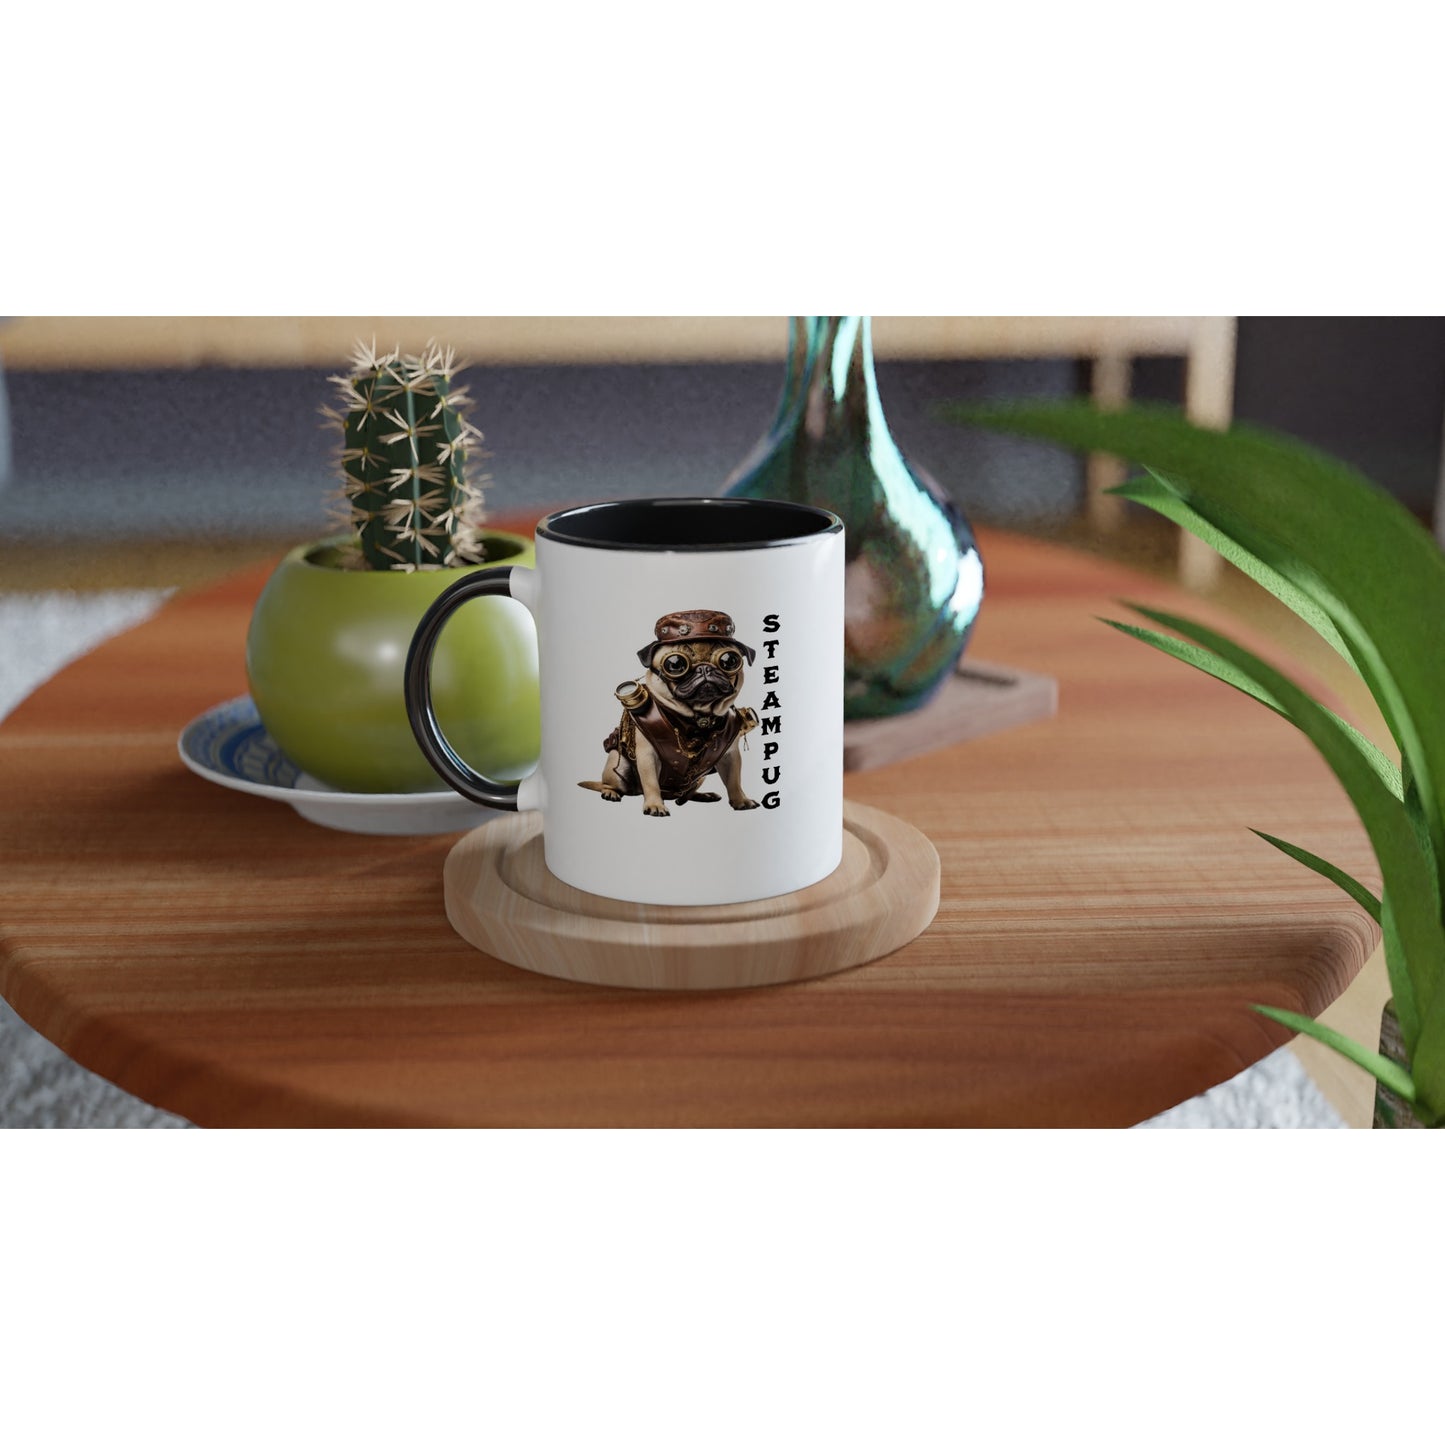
(411, 498)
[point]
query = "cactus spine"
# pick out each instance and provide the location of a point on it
(412, 499)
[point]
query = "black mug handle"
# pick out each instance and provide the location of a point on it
(453, 770)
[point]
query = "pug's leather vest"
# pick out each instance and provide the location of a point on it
(687, 748)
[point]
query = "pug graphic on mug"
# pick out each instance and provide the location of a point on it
(680, 720)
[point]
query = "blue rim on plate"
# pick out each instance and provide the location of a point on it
(229, 745)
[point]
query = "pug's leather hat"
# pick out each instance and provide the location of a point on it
(700, 625)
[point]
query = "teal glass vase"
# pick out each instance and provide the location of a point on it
(914, 578)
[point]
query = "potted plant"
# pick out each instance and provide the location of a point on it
(1361, 571)
(328, 639)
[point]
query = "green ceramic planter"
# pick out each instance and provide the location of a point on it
(327, 649)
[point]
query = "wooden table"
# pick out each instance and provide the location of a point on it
(1106, 917)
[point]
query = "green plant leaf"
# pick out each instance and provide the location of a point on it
(1195, 656)
(1398, 969)
(1414, 810)
(1386, 771)
(1320, 525)
(1405, 868)
(1337, 876)
(1217, 667)
(1427, 1054)
(1387, 1071)
(1160, 495)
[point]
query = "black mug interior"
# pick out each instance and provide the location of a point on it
(679, 524)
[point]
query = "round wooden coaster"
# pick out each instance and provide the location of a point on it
(501, 898)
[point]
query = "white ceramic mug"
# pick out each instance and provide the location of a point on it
(691, 655)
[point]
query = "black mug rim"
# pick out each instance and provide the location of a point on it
(819, 523)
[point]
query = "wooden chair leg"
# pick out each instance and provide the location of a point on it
(1208, 401)
(1109, 387)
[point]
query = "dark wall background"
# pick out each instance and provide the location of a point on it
(214, 452)
(1370, 389)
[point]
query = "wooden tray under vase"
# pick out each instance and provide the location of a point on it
(980, 698)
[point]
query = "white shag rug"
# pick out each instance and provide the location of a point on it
(41, 1088)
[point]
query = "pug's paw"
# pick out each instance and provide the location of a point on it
(742, 804)
(657, 812)
(610, 796)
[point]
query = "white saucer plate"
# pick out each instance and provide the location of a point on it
(230, 746)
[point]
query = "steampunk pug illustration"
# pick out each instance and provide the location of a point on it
(680, 721)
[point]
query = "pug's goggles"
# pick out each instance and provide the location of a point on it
(679, 664)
